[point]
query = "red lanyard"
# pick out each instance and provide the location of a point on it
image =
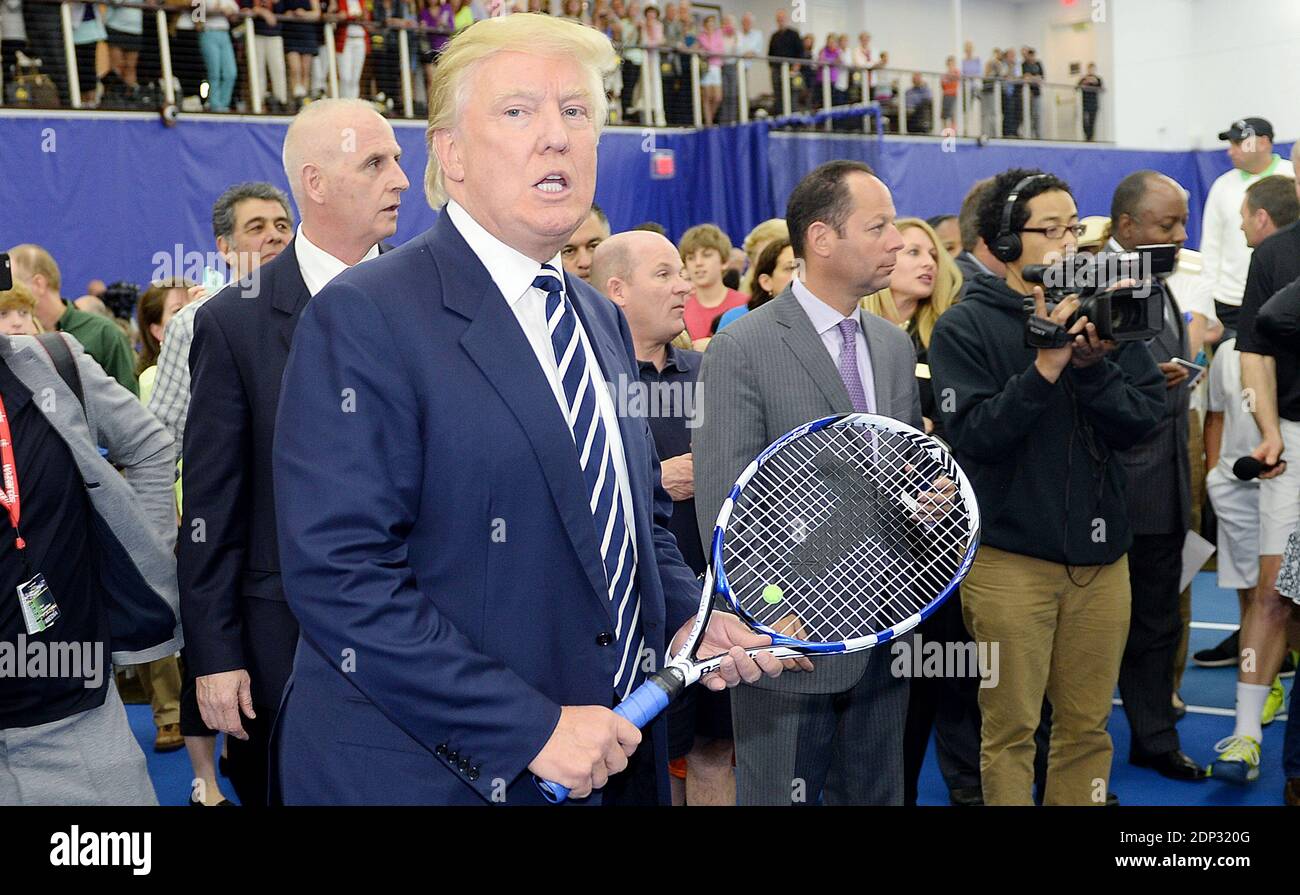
(9, 493)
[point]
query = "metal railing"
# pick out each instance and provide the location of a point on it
(671, 86)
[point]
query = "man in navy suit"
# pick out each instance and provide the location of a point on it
(341, 160)
(472, 540)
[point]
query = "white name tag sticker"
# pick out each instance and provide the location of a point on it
(40, 611)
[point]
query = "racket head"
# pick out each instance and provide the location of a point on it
(823, 525)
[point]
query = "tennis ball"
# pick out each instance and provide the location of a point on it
(772, 594)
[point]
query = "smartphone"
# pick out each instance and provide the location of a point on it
(213, 281)
(1194, 371)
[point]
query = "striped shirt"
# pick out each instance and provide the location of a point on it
(170, 401)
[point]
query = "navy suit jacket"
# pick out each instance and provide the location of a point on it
(436, 539)
(241, 343)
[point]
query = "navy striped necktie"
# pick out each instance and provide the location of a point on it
(597, 458)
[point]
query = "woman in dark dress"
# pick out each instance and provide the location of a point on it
(924, 284)
(301, 42)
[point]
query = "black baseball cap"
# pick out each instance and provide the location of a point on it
(1245, 127)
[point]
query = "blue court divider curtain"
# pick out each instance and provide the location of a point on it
(110, 195)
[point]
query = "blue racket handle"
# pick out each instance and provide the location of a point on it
(645, 703)
(642, 707)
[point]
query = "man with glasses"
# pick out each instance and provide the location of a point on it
(1037, 429)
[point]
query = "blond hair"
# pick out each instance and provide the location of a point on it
(18, 299)
(30, 260)
(704, 236)
(531, 33)
(947, 290)
(770, 230)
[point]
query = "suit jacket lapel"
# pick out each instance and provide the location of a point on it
(293, 295)
(289, 295)
(495, 342)
(808, 349)
(875, 354)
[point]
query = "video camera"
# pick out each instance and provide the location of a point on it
(1127, 314)
(6, 273)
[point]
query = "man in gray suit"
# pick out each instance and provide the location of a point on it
(87, 552)
(837, 731)
(1148, 208)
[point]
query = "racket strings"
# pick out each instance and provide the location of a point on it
(826, 542)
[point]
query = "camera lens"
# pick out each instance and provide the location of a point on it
(1125, 316)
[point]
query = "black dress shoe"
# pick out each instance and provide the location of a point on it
(1112, 800)
(966, 796)
(1175, 765)
(1222, 655)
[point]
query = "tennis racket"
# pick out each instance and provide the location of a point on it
(843, 534)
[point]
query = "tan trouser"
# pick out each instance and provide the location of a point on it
(1055, 639)
(161, 682)
(1196, 454)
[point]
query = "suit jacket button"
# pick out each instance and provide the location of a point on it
(441, 750)
(452, 756)
(463, 764)
(473, 773)
(604, 638)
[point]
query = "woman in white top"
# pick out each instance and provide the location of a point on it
(652, 36)
(351, 43)
(861, 59)
(13, 35)
(87, 32)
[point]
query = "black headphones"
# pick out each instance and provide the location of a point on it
(1008, 246)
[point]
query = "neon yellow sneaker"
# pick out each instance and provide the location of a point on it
(1273, 704)
(1238, 760)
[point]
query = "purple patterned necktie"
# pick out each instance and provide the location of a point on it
(849, 365)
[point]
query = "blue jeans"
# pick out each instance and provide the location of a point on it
(219, 56)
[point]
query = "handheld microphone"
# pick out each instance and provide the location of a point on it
(1248, 468)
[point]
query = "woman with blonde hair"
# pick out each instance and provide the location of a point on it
(18, 312)
(758, 239)
(924, 284)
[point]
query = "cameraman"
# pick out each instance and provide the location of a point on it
(1149, 208)
(1035, 430)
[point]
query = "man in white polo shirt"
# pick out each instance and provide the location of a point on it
(1223, 246)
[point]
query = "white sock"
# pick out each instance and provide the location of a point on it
(1250, 703)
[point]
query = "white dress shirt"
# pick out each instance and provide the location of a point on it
(1192, 289)
(826, 320)
(318, 266)
(513, 273)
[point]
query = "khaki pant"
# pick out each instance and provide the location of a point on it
(1058, 640)
(1196, 453)
(161, 682)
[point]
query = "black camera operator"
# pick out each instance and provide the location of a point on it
(1149, 208)
(1036, 430)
